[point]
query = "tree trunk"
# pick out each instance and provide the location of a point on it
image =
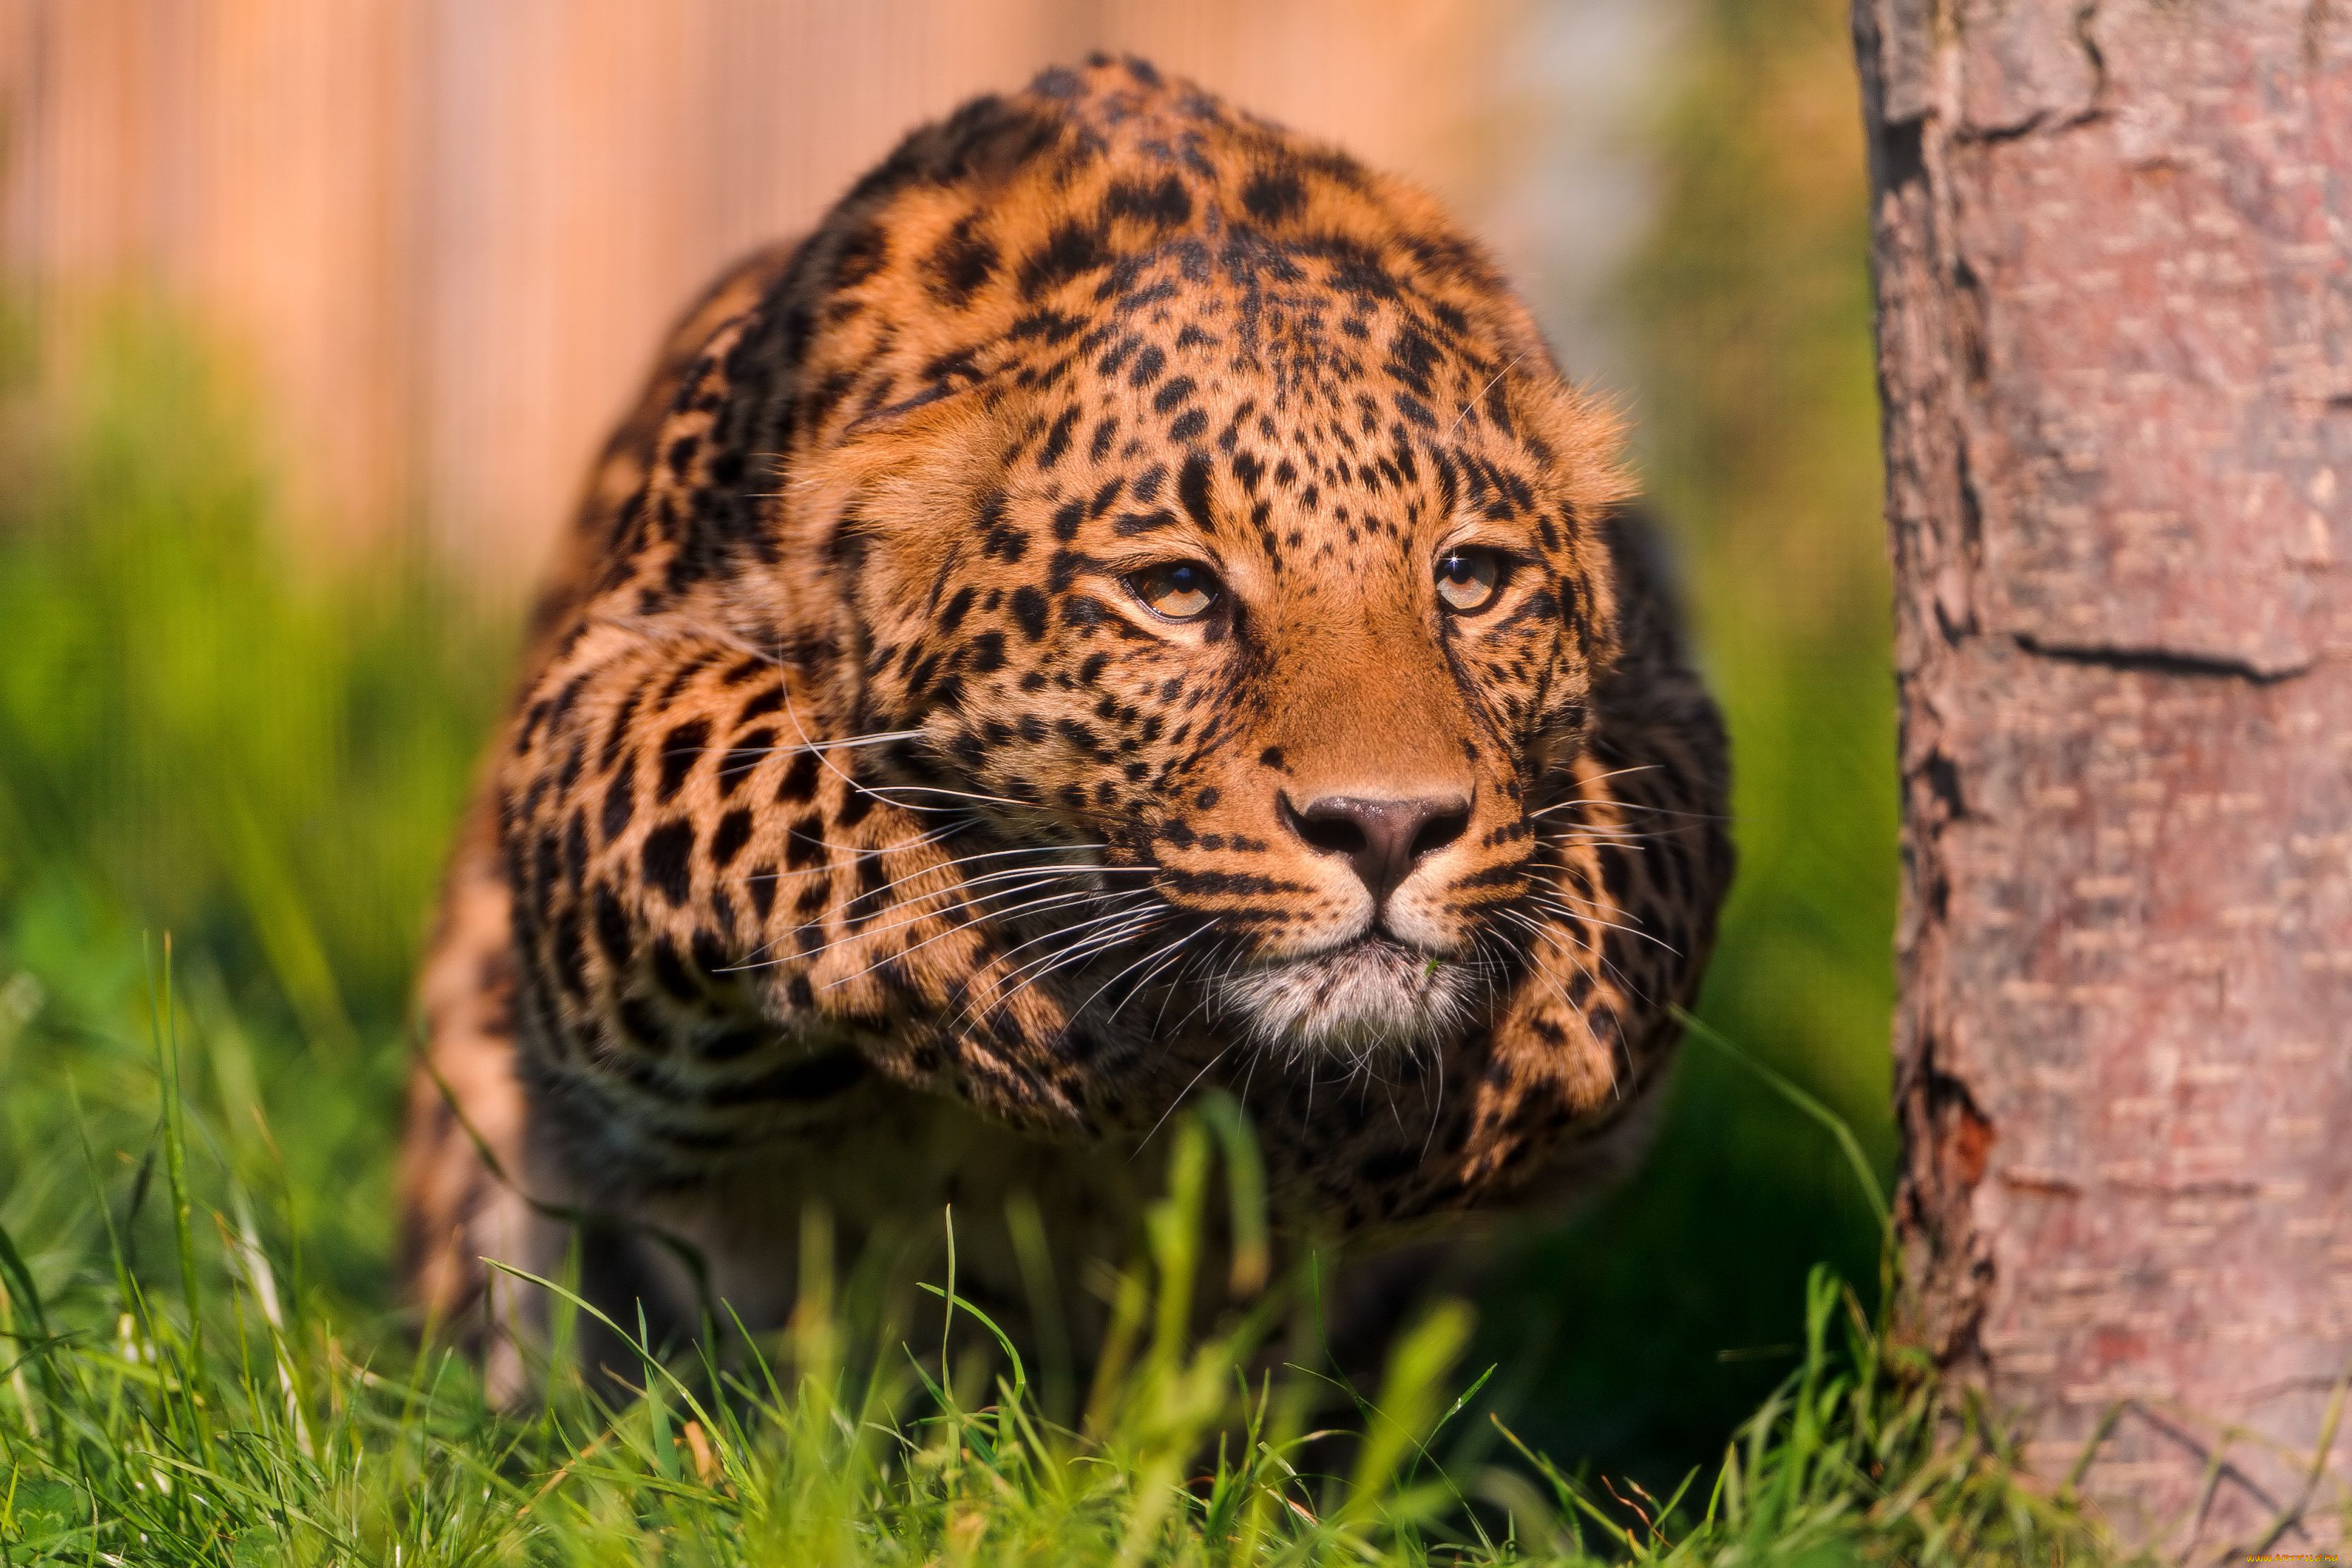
(2114, 337)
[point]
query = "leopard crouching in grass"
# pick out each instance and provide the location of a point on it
(1128, 606)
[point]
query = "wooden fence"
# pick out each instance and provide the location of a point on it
(441, 236)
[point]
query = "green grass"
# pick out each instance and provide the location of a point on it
(203, 1363)
(177, 1394)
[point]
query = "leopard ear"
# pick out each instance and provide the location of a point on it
(896, 457)
(898, 415)
(948, 398)
(891, 457)
(891, 489)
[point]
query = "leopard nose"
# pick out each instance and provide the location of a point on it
(1381, 839)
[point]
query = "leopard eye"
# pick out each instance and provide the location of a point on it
(1176, 590)
(1468, 578)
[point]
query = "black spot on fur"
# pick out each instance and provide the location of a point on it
(1273, 196)
(805, 844)
(575, 851)
(620, 802)
(742, 758)
(734, 831)
(762, 702)
(617, 737)
(671, 971)
(1057, 438)
(803, 1082)
(1192, 489)
(568, 968)
(861, 256)
(798, 786)
(1165, 205)
(960, 264)
(666, 858)
(613, 928)
(1029, 611)
(680, 748)
(998, 537)
(736, 1043)
(1068, 251)
(762, 885)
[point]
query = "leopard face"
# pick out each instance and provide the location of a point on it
(1295, 680)
(1241, 544)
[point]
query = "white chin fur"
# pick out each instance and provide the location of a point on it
(1356, 1001)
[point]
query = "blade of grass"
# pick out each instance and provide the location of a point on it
(1787, 1087)
(176, 1172)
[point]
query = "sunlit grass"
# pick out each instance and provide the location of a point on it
(174, 1395)
(202, 1362)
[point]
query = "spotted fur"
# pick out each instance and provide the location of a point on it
(859, 839)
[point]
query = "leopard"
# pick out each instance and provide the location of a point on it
(1127, 610)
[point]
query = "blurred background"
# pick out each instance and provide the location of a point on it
(310, 315)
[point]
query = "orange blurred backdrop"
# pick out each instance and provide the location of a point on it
(438, 238)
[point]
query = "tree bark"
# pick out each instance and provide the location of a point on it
(2114, 339)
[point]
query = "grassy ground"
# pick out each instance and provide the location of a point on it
(202, 1362)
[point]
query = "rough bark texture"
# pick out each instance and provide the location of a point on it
(2115, 286)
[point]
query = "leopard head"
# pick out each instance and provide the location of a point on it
(1205, 506)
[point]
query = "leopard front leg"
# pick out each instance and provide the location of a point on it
(1618, 928)
(730, 939)
(726, 914)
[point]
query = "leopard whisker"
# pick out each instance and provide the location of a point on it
(865, 933)
(1205, 1068)
(1616, 1082)
(1601, 959)
(919, 947)
(1005, 874)
(821, 751)
(1175, 955)
(1127, 897)
(1599, 833)
(1038, 970)
(1542, 971)
(905, 919)
(1490, 386)
(1660, 810)
(1127, 911)
(859, 742)
(1171, 950)
(1436, 1101)
(1184, 962)
(1041, 905)
(1542, 902)
(1581, 781)
(1174, 984)
(884, 792)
